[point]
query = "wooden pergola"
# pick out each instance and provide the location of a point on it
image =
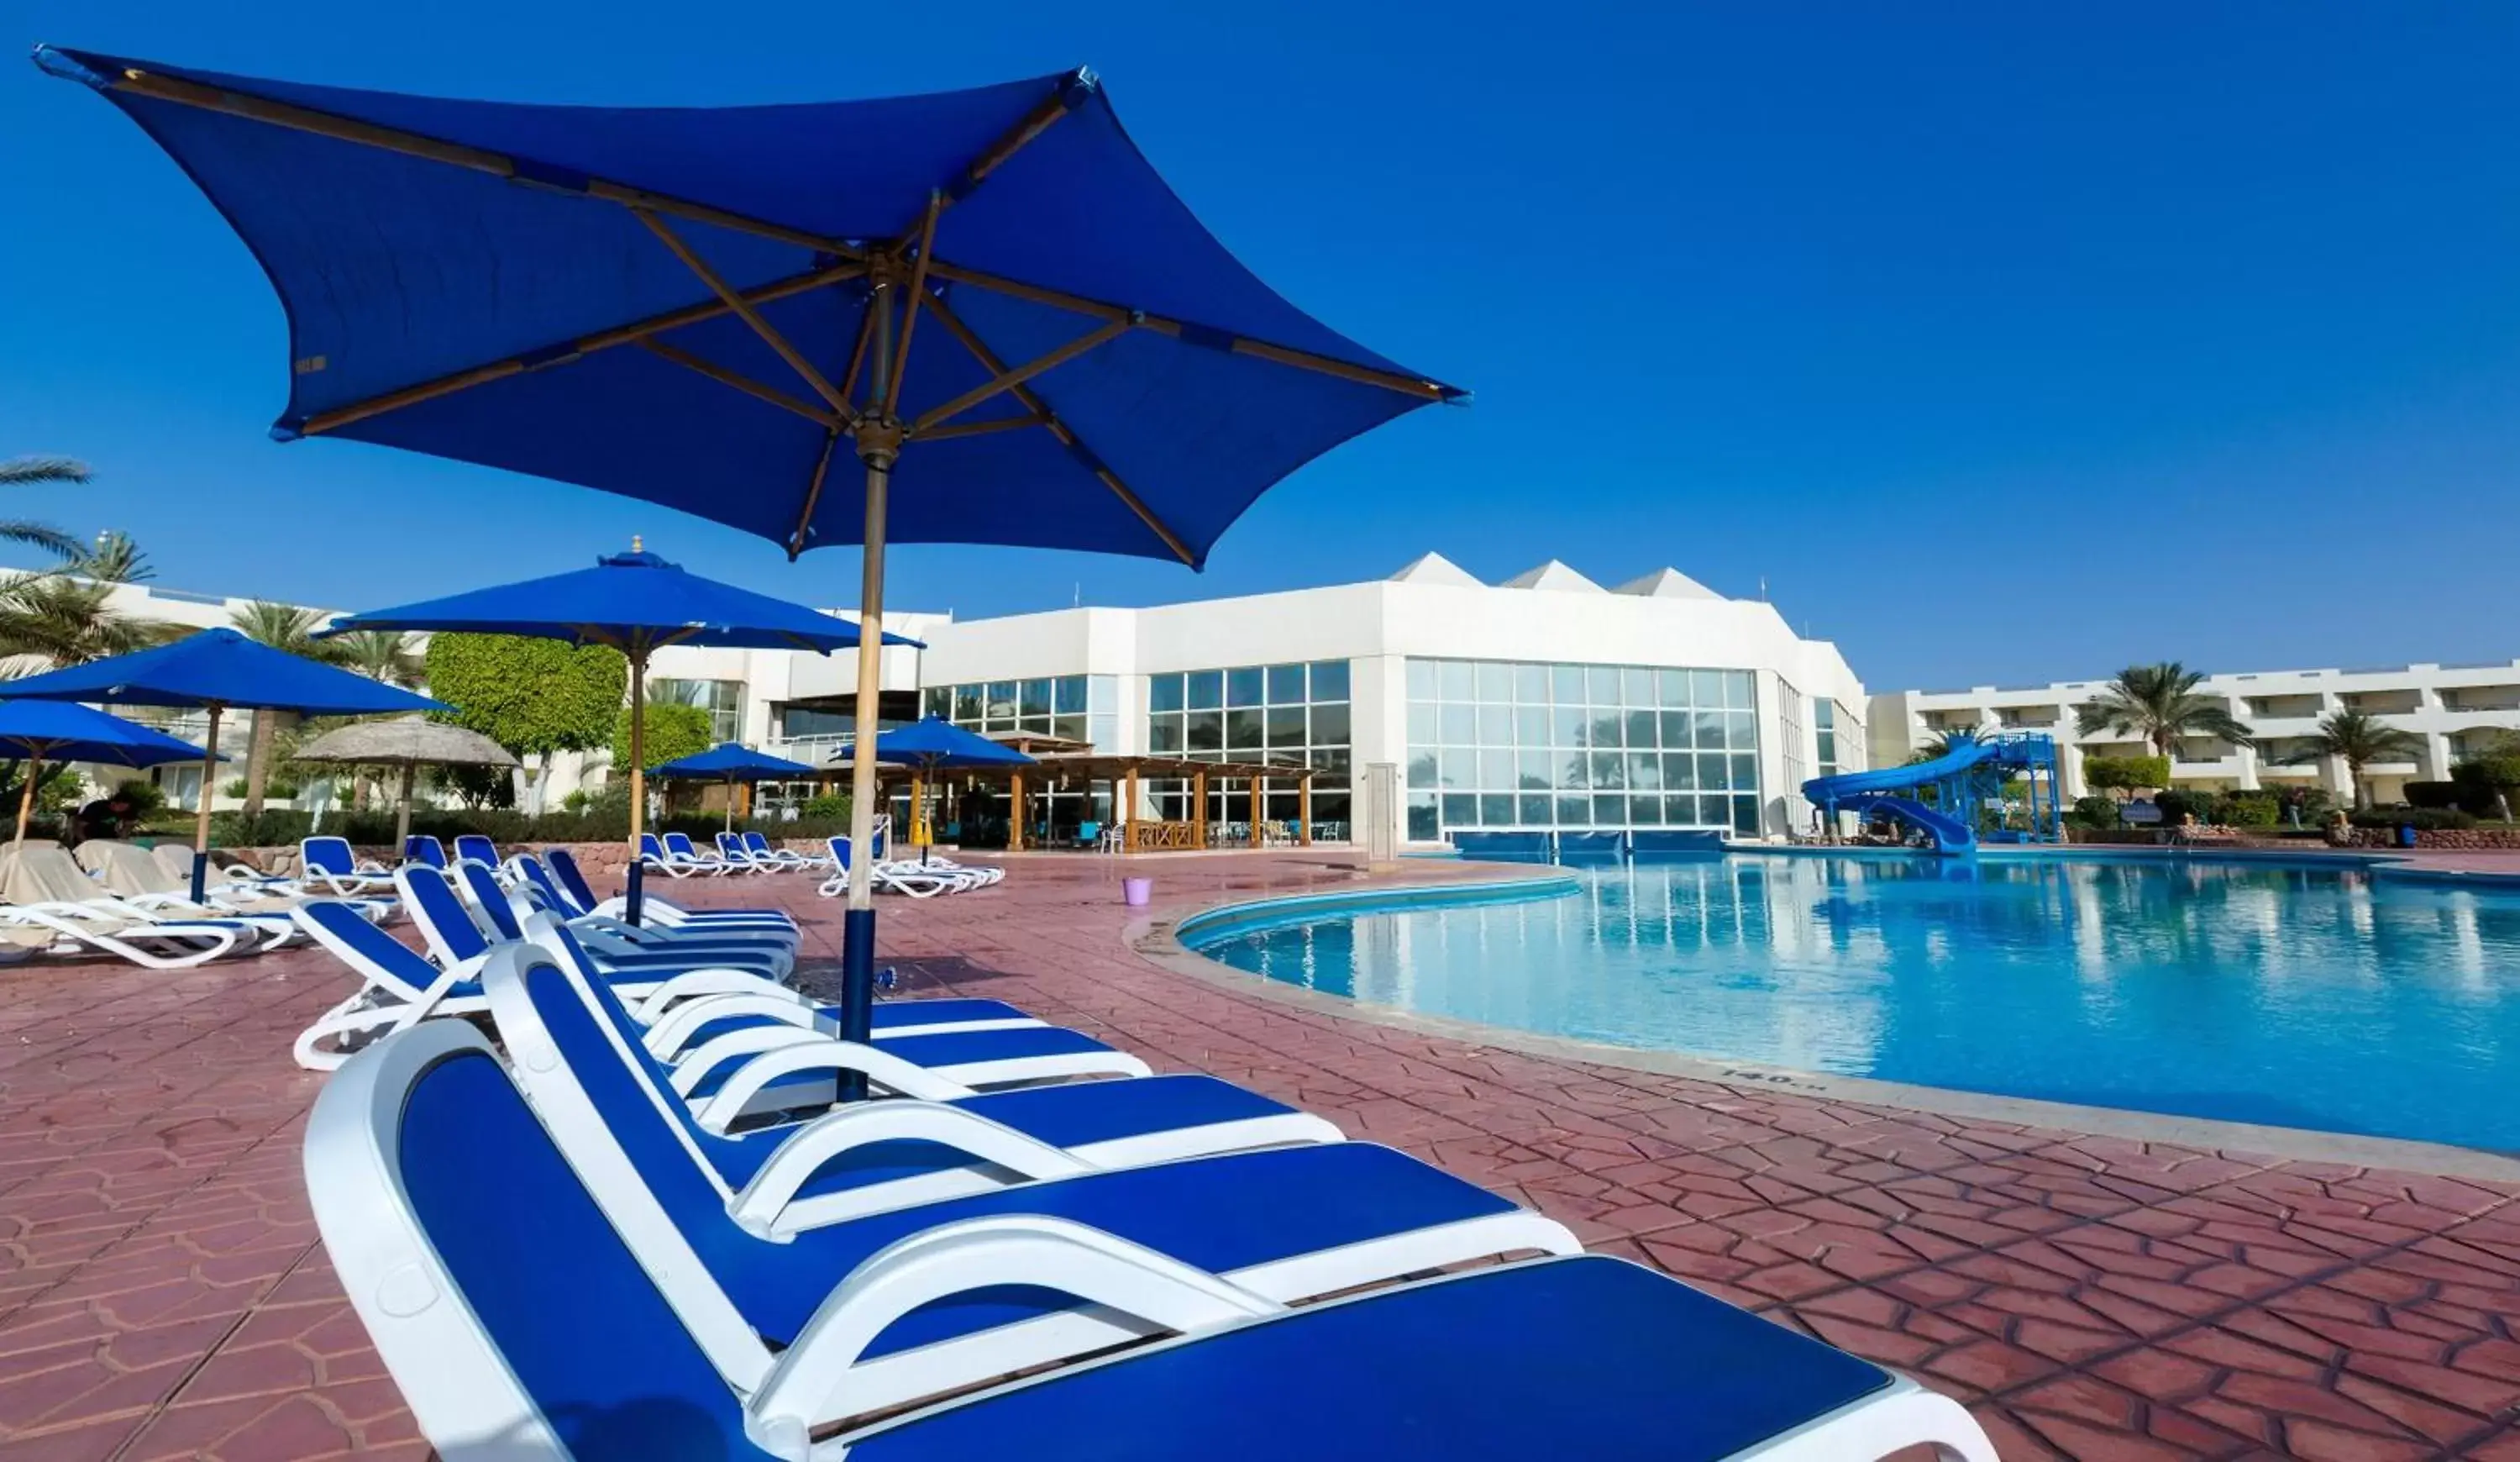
(1073, 762)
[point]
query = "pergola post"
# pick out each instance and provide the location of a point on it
(1015, 812)
(1198, 813)
(1128, 789)
(1304, 810)
(1256, 784)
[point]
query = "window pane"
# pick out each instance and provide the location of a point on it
(1679, 811)
(1073, 727)
(1531, 725)
(1640, 729)
(1245, 687)
(1206, 730)
(1566, 726)
(1609, 812)
(1566, 684)
(1710, 729)
(1644, 771)
(1205, 689)
(1286, 728)
(1675, 727)
(1602, 682)
(1745, 816)
(936, 699)
(1496, 770)
(1706, 688)
(1067, 694)
(1574, 811)
(1002, 701)
(1495, 810)
(1332, 758)
(1531, 809)
(1422, 724)
(1330, 725)
(1102, 693)
(1713, 774)
(1040, 723)
(1531, 770)
(1671, 687)
(1496, 725)
(1422, 827)
(967, 703)
(1573, 769)
(1286, 685)
(1679, 771)
(1460, 768)
(1609, 771)
(1531, 685)
(1645, 812)
(1422, 680)
(1455, 676)
(1329, 679)
(1605, 732)
(1743, 726)
(1745, 772)
(1036, 698)
(1636, 687)
(1165, 733)
(1740, 690)
(1461, 725)
(1244, 731)
(1496, 682)
(1461, 810)
(1422, 769)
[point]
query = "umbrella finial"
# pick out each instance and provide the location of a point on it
(637, 544)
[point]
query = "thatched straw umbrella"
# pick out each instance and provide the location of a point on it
(409, 742)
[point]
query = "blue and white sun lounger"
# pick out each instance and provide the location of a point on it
(423, 847)
(548, 1338)
(981, 874)
(454, 926)
(892, 878)
(579, 898)
(397, 987)
(785, 857)
(499, 906)
(473, 847)
(678, 846)
(327, 862)
(653, 852)
(456, 942)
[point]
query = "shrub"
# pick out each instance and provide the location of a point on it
(2432, 794)
(832, 806)
(275, 789)
(2422, 819)
(2248, 809)
(146, 798)
(574, 804)
(670, 731)
(2176, 806)
(2098, 813)
(2480, 778)
(280, 828)
(2125, 773)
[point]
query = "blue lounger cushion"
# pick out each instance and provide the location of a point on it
(897, 1015)
(1589, 1359)
(949, 1048)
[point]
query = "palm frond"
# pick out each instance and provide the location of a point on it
(33, 471)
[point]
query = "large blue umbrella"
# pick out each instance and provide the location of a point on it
(933, 745)
(703, 307)
(638, 604)
(59, 731)
(731, 763)
(213, 670)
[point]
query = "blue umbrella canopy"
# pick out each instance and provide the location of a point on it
(220, 668)
(937, 744)
(732, 762)
(634, 602)
(58, 731)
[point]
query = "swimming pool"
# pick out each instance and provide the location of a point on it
(2305, 997)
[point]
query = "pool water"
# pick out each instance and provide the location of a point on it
(2305, 997)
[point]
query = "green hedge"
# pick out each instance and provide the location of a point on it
(280, 828)
(2422, 819)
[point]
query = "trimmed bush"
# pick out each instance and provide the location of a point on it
(2098, 813)
(2125, 773)
(2248, 809)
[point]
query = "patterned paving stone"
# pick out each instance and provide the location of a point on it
(162, 1293)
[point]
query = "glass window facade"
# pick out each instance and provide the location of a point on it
(1282, 712)
(1080, 708)
(1579, 748)
(723, 700)
(1824, 735)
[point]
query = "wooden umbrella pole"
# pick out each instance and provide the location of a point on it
(878, 444)
(27, 796)
(201, 819)
(402, 816)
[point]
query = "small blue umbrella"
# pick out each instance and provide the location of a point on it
(59, 731)
(638, 604)
(933, 745)
(731, 763)
(708, 307)
(213, 670)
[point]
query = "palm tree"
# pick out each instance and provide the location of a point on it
(114, 559)
(386, 655)
(1943, 744)
(68, 621)
(2359, 738)
(2159, 704)
(281, 626)
(41, 471)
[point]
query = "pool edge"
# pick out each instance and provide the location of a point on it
(1154, 940)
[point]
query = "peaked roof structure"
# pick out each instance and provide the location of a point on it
(1666, 583)
(1552, 576)
(1435, 569)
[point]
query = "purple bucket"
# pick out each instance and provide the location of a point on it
(1137, 893)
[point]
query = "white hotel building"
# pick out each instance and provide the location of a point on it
(2453, 708)
(1545, 701)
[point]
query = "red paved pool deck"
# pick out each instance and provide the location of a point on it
(162, 1293)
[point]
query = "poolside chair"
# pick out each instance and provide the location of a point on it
(910, 880)
(826, 1171)
(423, 847)
(459, 935)
(328, 863)
(785, 857)
(473, 847)
(53, 908)
(580, 899)
(130, 875)
(977, 875)
(731, 851)
(397, 987)
(679, 846)
(550, 1338)
(500, 911)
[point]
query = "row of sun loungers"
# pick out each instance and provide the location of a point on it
(749, 852)
(122, 901)
(614, 1212)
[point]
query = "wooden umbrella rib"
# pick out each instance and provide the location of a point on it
(991, 157)
(745, 312)
(602, 339)
(1005, 380)
(828, 420)
(478, 159)
(910, 317)
(1066, 436)
(983, 428)
(813, 494)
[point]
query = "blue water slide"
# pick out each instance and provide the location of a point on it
(1951, 835)
(1866, 792)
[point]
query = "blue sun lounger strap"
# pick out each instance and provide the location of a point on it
(558, 1343)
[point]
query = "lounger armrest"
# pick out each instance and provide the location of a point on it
(799, 1056)
(673, 1025)
(759, 1206)
(810, 1379)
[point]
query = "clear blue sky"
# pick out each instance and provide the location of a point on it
(2165, 330)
